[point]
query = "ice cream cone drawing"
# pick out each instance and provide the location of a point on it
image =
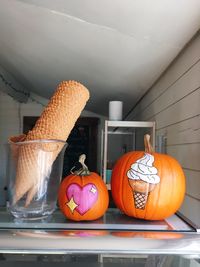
(142, 177)
(55, 122)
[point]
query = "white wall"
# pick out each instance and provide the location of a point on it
(11, 123)
(174, 103)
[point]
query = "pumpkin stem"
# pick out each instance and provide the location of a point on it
(147, 144)
(83, 171)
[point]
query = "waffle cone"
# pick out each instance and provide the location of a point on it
(140, 199)
(60, 115)
(56, 122)
(141, 192)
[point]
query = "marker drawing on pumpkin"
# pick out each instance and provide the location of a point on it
(142, 178)
(80, 198)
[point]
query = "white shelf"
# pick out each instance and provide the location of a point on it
(114, 233)
(123, 128)
(135, 124)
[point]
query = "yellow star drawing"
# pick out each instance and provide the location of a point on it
(93, 190)
(71, 204)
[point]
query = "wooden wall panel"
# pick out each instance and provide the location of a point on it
(183, 132)
(187, 155)
(186, 60)
(174, 103)
(191, 209)
(192, 183)
(188, 84)
(184, 109)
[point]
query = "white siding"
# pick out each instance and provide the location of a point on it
(174, 103)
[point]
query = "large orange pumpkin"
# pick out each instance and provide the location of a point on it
(148, 185)
(83, 195)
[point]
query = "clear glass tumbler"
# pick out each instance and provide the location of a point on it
(34, 173)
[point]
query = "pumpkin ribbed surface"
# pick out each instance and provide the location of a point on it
(148, 186)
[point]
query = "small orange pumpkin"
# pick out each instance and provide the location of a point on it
(83, 195)
(147, 185)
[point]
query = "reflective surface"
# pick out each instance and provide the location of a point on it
(110, 235)
(112, 220)
(93, 241)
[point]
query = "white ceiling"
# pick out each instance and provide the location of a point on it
(116, 48)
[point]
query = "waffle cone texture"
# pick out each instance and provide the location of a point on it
(56, 122)
(140, 199)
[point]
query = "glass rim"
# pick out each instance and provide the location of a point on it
(38, 141)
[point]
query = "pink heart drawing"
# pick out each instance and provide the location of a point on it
(84, 197)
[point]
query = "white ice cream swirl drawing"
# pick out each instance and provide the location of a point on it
(143, 177)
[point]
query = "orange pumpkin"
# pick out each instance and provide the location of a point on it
(147, 185)
(83, 195)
